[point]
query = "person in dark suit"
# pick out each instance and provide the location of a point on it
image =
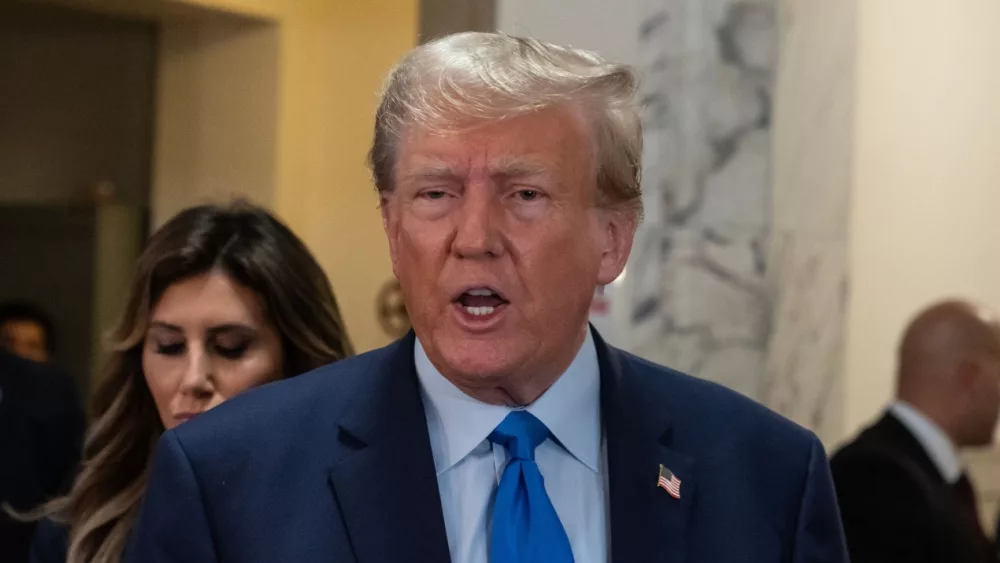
(502, 428)
(903, 492)
(223, 298)
(996, 536)
(41, 430)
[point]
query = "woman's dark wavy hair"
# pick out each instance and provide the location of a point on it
(255, 250)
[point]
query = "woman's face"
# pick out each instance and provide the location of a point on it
(208, 340)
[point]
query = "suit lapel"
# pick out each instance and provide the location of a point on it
(647, 523)
(965, 534)
(383, 476)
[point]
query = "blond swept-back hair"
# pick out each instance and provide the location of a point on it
(256, 251)
(465, 78)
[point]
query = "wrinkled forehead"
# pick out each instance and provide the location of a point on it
(548, 144)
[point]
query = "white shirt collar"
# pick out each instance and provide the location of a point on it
(570, 408)
(935, 442)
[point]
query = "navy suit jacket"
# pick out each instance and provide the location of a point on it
(41, 435)
(336, 466)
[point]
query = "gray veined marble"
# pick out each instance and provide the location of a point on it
(718, 284)
(697, 288)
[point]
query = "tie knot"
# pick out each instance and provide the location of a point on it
(520, 433)
(964, 489)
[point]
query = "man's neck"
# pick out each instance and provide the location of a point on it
(935, 440)
(524, 385)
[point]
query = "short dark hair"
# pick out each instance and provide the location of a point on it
(31, 312)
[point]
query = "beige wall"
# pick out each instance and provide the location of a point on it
(926, 188)
(334, 61)
(280, 110)
(76, 104)
(216, 114)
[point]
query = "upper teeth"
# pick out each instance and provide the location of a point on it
(480, 292)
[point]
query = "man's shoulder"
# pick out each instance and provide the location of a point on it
(884, 443)
(687, 395)
(705, 410)
(307, 404)
(879, 461)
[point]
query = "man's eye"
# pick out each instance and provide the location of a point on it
(528, 195)
(434, 194)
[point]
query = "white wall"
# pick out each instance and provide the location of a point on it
(608, 27)
(926, 189)
(813, 146)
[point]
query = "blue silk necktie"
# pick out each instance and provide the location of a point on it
(526, 528)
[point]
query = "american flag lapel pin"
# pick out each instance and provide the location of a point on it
(669, 482)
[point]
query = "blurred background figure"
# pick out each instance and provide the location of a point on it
(41, 429)
(903, 492)
(223, 299)
(26, 331)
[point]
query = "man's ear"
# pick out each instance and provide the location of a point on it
(968, 372)
(617, 234)
(390, 224)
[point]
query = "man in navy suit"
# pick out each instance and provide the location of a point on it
(502, 428)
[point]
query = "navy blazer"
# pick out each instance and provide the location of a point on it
(336, 466)
(41, 435)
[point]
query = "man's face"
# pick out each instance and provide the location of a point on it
(498, 244)
(25, 338)
(988, 403)
(982, 407)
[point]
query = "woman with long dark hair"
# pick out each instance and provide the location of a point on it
(223, 299)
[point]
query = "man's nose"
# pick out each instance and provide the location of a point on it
(477, 224)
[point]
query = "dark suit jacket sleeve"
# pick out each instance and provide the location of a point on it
(883, 508)
(173, 526)
(819, 537)
(64, 437)
(50, 543)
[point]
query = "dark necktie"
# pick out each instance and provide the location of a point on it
(966, 495)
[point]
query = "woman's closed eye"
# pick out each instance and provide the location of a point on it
(232, 350)
(170, 348)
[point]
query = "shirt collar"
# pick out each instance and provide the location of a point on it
(935, 442)
(570, 408)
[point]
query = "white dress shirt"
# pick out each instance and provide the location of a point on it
(469, 466)
(936, 443)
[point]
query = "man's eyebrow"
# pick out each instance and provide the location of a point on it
(521, 169)
(504, 169)
(430, 170)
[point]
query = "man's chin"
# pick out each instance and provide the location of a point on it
(477, 359)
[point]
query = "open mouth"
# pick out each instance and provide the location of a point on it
(481, 302)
